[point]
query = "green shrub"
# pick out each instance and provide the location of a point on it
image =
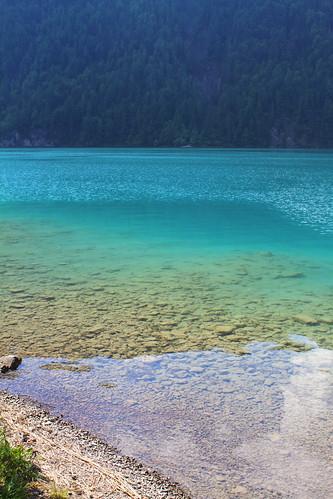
(16, 470)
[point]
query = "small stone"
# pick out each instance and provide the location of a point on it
(239, 490)
(98, 328)
(9, 363)
(274, 437)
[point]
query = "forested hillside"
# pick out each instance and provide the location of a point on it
(166, 72)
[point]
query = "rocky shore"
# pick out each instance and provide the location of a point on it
(71, 459)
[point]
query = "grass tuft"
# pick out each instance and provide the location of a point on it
(56, 493)
(16, 470)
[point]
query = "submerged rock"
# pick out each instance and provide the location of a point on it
(225, 329)
(9, 363)
(296, 346)
(291, 275)
(326, 319)
(306, 319)
(17, 291)
(267, 254)
(108, 385)
(58, 366)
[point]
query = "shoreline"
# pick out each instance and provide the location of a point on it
(173, 147)
(74, 460)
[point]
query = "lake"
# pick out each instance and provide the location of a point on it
(195, 287)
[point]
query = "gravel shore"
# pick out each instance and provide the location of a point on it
(74, 460)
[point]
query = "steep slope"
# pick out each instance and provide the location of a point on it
(166, 72)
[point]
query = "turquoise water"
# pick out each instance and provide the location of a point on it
(184, 279)
(162, 248)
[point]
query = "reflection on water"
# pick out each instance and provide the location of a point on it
(297, 460)
(224, 426)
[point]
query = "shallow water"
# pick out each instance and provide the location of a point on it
(223, 425)
(171, 255)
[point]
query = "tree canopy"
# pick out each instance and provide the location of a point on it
(234, 73)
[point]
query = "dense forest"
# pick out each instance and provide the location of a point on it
(166, 72)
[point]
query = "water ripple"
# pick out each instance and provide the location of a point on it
(297, 183)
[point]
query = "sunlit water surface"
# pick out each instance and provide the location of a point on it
(169, 269)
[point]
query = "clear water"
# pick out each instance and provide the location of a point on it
(129, 253)
(213, 421)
